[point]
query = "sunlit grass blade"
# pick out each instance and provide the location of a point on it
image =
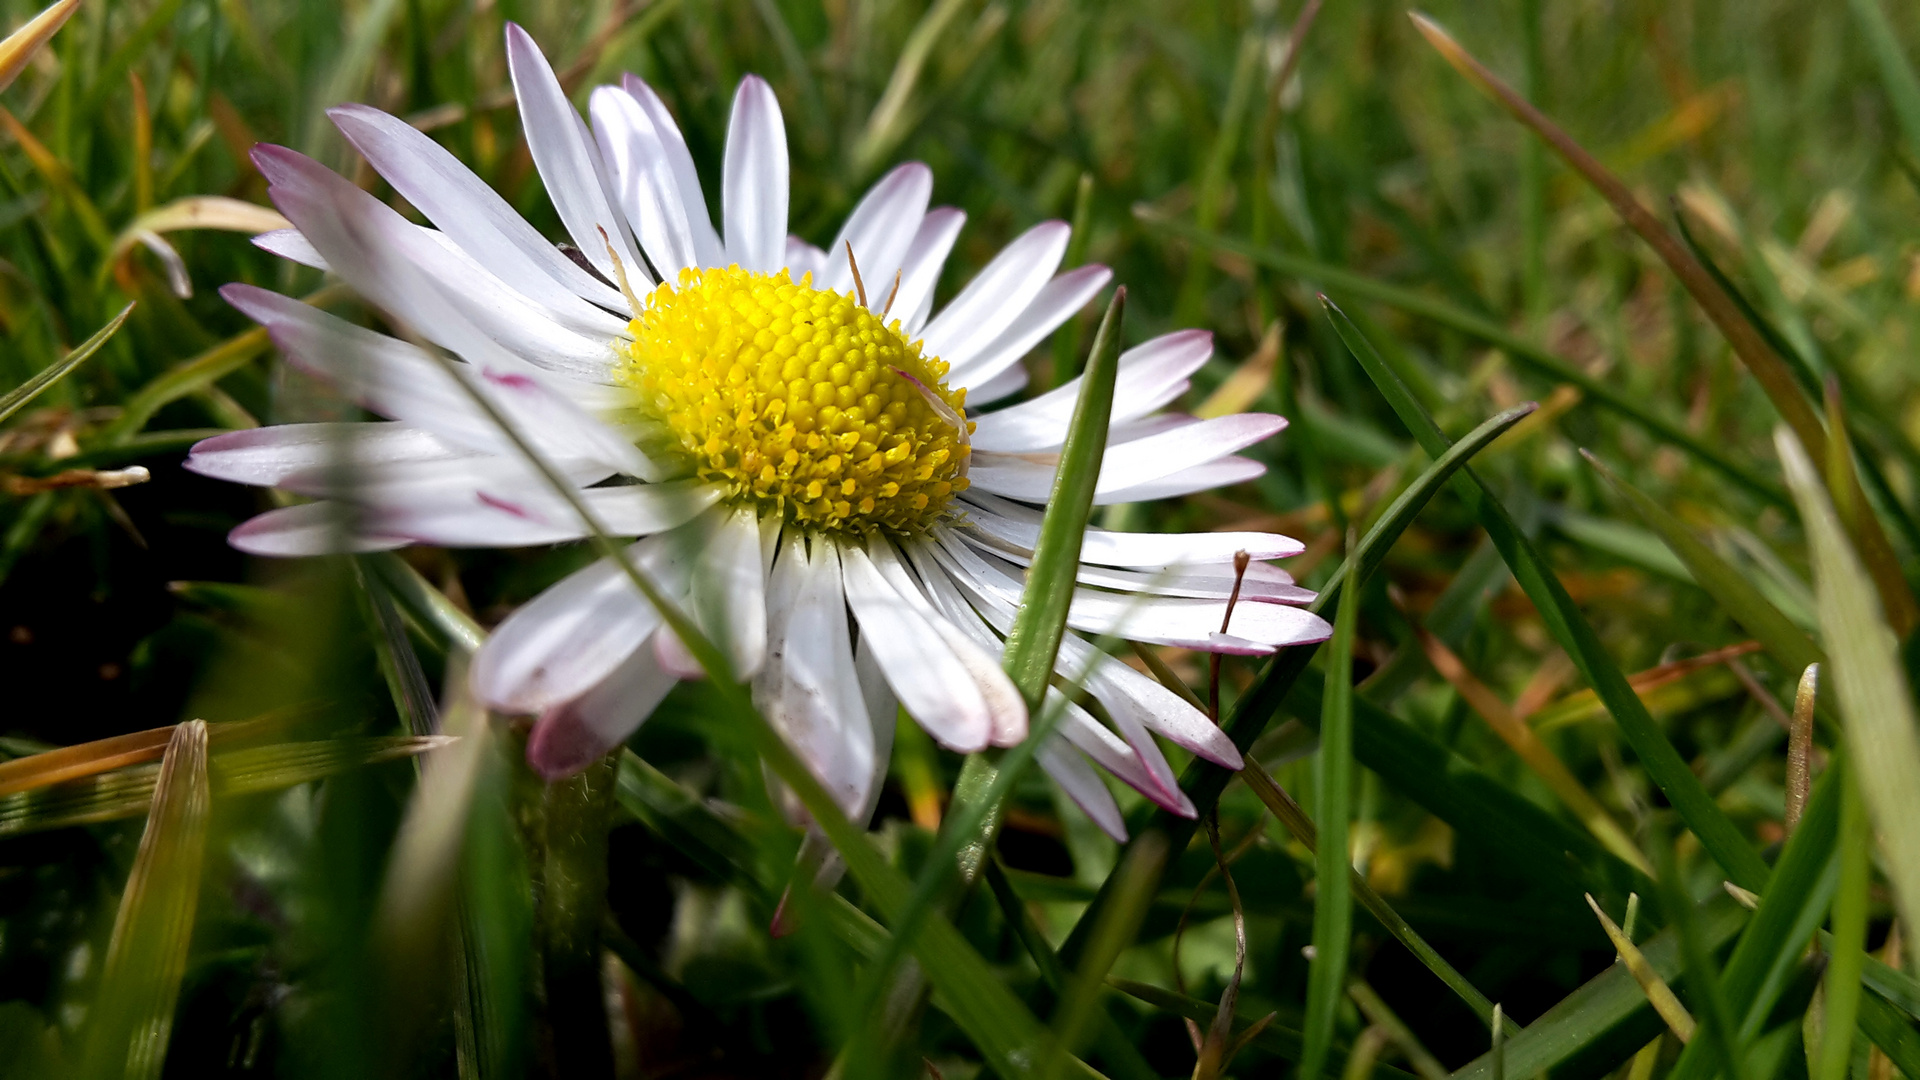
(19, 396)
(1560, 370)
(21, 45)
(1289, 813)
(132, 1020)
(1847, 950)
(126, 792)
(889, 121)
(1610, 1006)
(1769, 369)
(1659, 994)
(1569, 627)
(81, 760)
(193, 212)
(1731, 589)
(1333, 807)
(1876, 702)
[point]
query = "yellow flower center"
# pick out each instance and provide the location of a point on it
(800, 400)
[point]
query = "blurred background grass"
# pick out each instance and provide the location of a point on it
(1769, 123)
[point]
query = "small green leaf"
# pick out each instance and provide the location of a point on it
(19, 396)
(1663, 763)
(147, 956)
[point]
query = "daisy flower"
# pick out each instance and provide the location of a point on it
(788, 431)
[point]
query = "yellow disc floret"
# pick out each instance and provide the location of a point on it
(800, 400)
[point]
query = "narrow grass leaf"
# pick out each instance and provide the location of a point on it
(1280, 1041)
(147, 956)
(1896, 73)
(1847, 952)
(19, 396)
(1569, 627)
(1659, 994)
(1136, 877)
(439, 618)
(1876, 703)
(1333, 805)
(1560, 370)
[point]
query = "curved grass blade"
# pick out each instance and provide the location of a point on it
(19, 396)
(1729, 587)
(147, 956)
(1348, 283)
(1876, 703)
(1663, 763)
(1282, 1042)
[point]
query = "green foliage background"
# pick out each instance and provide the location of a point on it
(616, 925)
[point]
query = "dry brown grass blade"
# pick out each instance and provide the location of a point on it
(1659, 994)
(105, 755)
(1800, 745)
(1767, 367)
(1538, 756)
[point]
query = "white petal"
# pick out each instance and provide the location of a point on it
(1216, 582)
(881, 228)
(568, 162)
(728, 598)
(686, 177)
(1194, 624)
(803, 259)
(1000, 294)
(1214, 474)
(643, 181)
(496, 516)
(753, 183)
(1151, 375)
(1058, 301)
(396, 379)
(931, 683)
(319, 528)
(920, 269)
(1129, 465)
(267, 456)
(573, 735)
(1006, 384)
(1127, 762)
(1006, 710)
(1083, 786)
(569, 638)
(433, 287)
(475, 217)
(881, 707)
(1018, 527)
(808, 688)
(290, 245)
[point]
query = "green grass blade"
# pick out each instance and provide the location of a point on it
(1609, 1008)
(1876, 703)
(19, 396)
(1041, 621)
(1893, 1033)
(1730, 588)
(1359, 286)
(1333, 807)
(1119, 924)
(1716, 1028)
(1663, 763)
(439, 618)
(132, 1019)
(1848, 950)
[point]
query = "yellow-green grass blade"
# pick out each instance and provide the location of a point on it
(21, 45)
(132, 1019)
(1847, 952)
(1358, 286)
(1876, 702)
(1333, 809)
(19, 396)
(1569, 627)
